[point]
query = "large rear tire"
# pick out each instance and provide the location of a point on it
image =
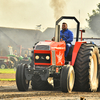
(14, 61)
(3, 65)
(67, 78)
(38, 84)
(99, 73)
(22, 83)
(87, 68)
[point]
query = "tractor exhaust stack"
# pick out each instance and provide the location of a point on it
(57, 33)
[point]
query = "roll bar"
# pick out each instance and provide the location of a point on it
(70, 17)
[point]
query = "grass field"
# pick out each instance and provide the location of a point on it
(7, 71)
(7, 79)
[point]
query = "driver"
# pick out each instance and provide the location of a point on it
(15, 52)
(67, 36)
(25, 57)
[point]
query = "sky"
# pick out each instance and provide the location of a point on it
(29, 13)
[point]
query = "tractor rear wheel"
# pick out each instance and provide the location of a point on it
(22, 83)
(87, 68)
(14, 61)
(3, 65)
(99, 73)
(38, 84)
(67, 78)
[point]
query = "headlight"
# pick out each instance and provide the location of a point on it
(47, 57)
(36, 57)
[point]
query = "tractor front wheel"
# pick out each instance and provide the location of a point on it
(67, 78)
(22, 83)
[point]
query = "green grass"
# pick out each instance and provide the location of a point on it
(7, 79)
(7, 71)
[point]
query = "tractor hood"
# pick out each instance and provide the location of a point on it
(49, 53)
(50, 45)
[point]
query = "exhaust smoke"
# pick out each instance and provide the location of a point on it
(59, 7)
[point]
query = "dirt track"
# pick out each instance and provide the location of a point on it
(8, 91)
(7, 76)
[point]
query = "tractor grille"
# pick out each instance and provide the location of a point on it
(42, 47)
(53, 58)
(42, 58)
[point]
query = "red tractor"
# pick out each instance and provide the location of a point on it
(80, 70)
(5, 62)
